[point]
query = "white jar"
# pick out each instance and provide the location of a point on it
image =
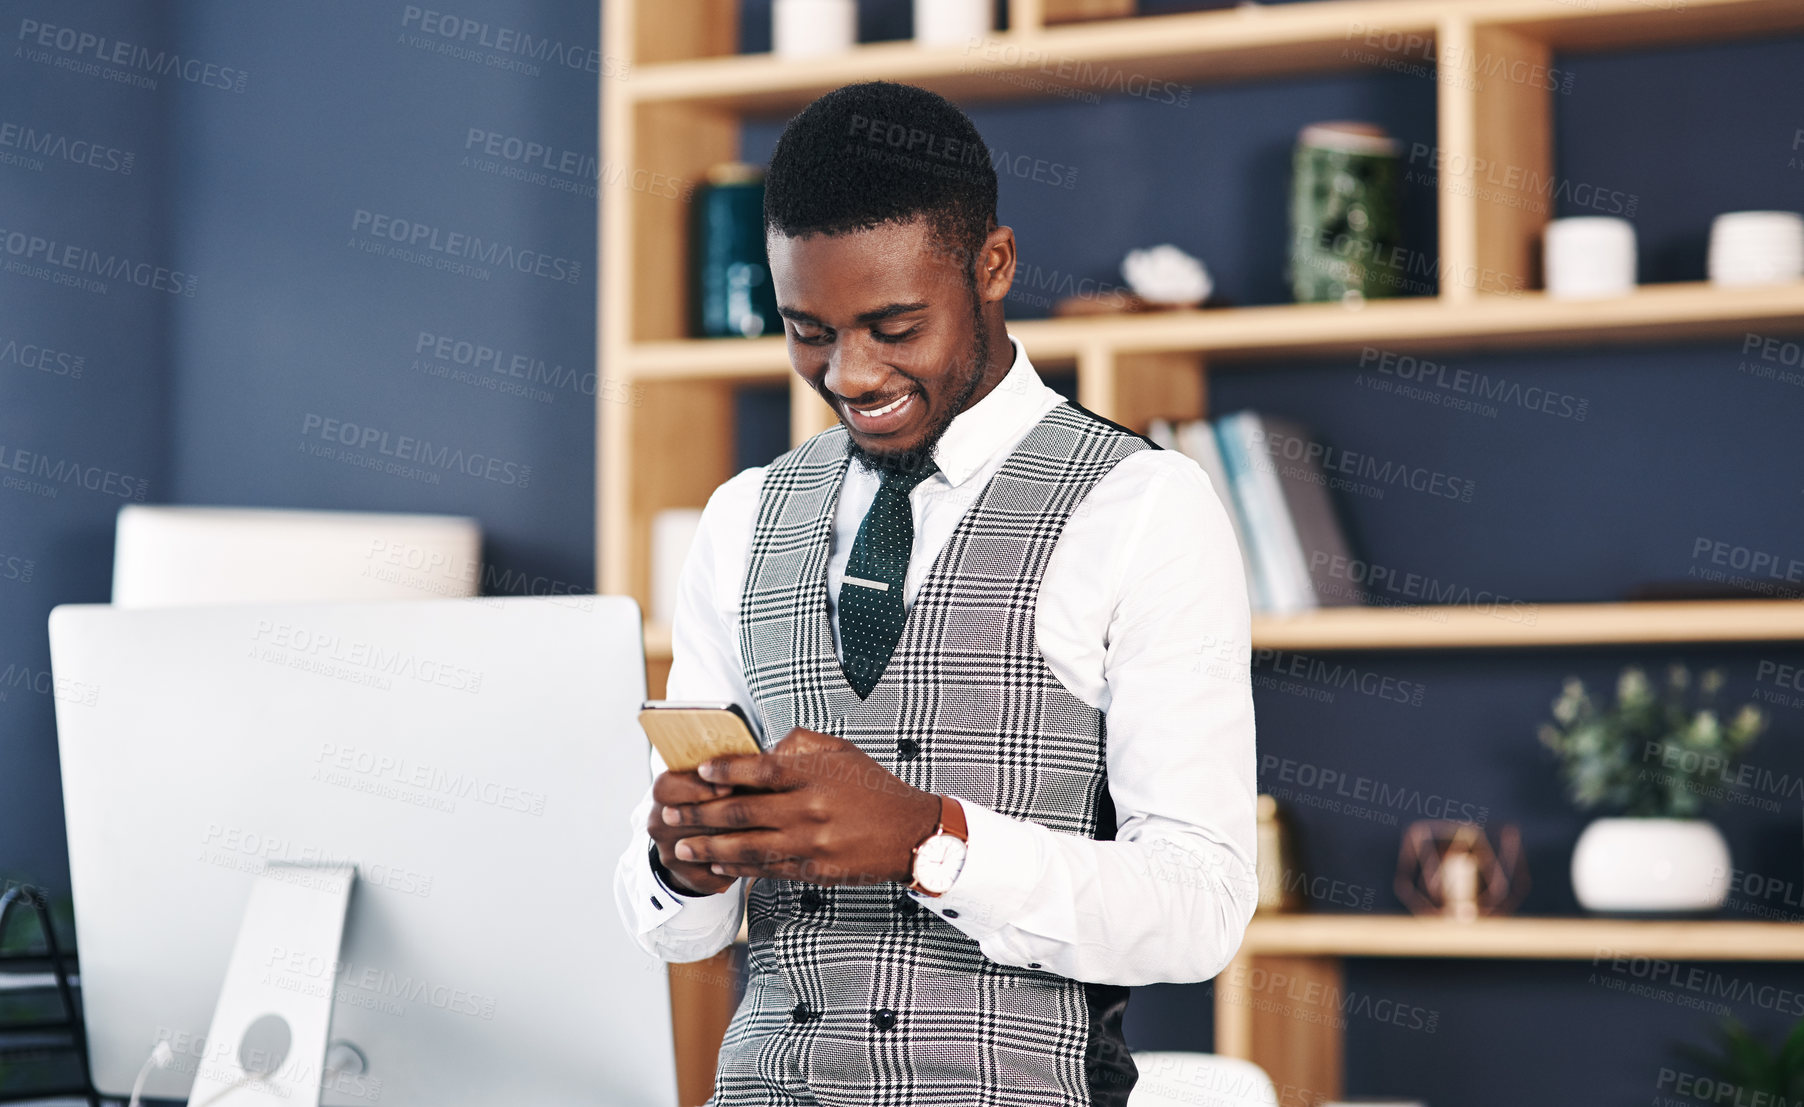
(952, 22)
(1756, 247)
(1589, 256)
(808, 28)
(1651, 865)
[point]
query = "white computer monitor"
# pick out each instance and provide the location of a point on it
(476, 759)
(171, 555)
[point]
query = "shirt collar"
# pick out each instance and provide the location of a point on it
(975, 434)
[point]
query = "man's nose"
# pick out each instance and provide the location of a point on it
(855, 370)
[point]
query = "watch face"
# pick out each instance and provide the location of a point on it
(938, 861)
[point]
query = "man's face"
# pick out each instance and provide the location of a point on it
(886, 327)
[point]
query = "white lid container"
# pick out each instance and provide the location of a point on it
(808, 28)
(1589, 256)
(1756, 247)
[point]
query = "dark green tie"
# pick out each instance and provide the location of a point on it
(871, 609)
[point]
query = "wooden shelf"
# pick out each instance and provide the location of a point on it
(1521, 938)
(1193, 48)
(1281, 1001)
(1576, 624)
(1428, 627)
(1661, 312)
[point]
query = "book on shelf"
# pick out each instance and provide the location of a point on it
(1320, 542)
(1259, 495)
(1276, 495)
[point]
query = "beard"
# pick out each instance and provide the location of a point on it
(911, 460)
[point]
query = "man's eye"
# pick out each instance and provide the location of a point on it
(809, 336)
(900, 336)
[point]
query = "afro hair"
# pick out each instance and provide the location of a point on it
(876, 153)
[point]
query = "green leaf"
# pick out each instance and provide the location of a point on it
(1633, 757)
(1791, 1057)
(1752, 1066)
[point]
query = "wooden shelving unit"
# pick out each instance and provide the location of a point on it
(678, 110)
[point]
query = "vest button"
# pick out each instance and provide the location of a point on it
(800, 1013)
(906, 907)
(812, 900)
(907, 749)
(883, 1018)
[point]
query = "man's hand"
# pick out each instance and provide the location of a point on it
(814, 808)
(678, 788)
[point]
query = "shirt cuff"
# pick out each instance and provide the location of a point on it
(657, 874)
(1004, 861)
(656, 906)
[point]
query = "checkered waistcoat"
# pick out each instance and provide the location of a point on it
(856, 994)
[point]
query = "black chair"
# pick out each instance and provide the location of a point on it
(35, 1039)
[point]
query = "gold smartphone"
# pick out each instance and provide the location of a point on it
(689, 733)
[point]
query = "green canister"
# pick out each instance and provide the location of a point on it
(731, 294)
(1345, 220)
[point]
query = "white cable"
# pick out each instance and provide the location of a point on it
(162, 1057)
(159, 1058)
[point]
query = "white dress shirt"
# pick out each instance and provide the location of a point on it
(1142, 613)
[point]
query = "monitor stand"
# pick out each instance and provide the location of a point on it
(267, 1043)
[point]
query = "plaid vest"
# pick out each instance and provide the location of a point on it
(855, 994)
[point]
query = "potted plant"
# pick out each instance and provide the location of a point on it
(1743, 1069)
(1649, 764)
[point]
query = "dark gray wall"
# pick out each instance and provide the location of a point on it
(85, 179)
(296, 313)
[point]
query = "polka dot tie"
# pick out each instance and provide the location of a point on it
(871, 609)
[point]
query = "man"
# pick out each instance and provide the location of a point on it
(982, 632)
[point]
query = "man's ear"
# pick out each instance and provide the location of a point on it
(996, 265)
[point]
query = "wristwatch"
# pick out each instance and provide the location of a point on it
(939, 857)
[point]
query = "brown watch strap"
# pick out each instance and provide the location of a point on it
(952, 819)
